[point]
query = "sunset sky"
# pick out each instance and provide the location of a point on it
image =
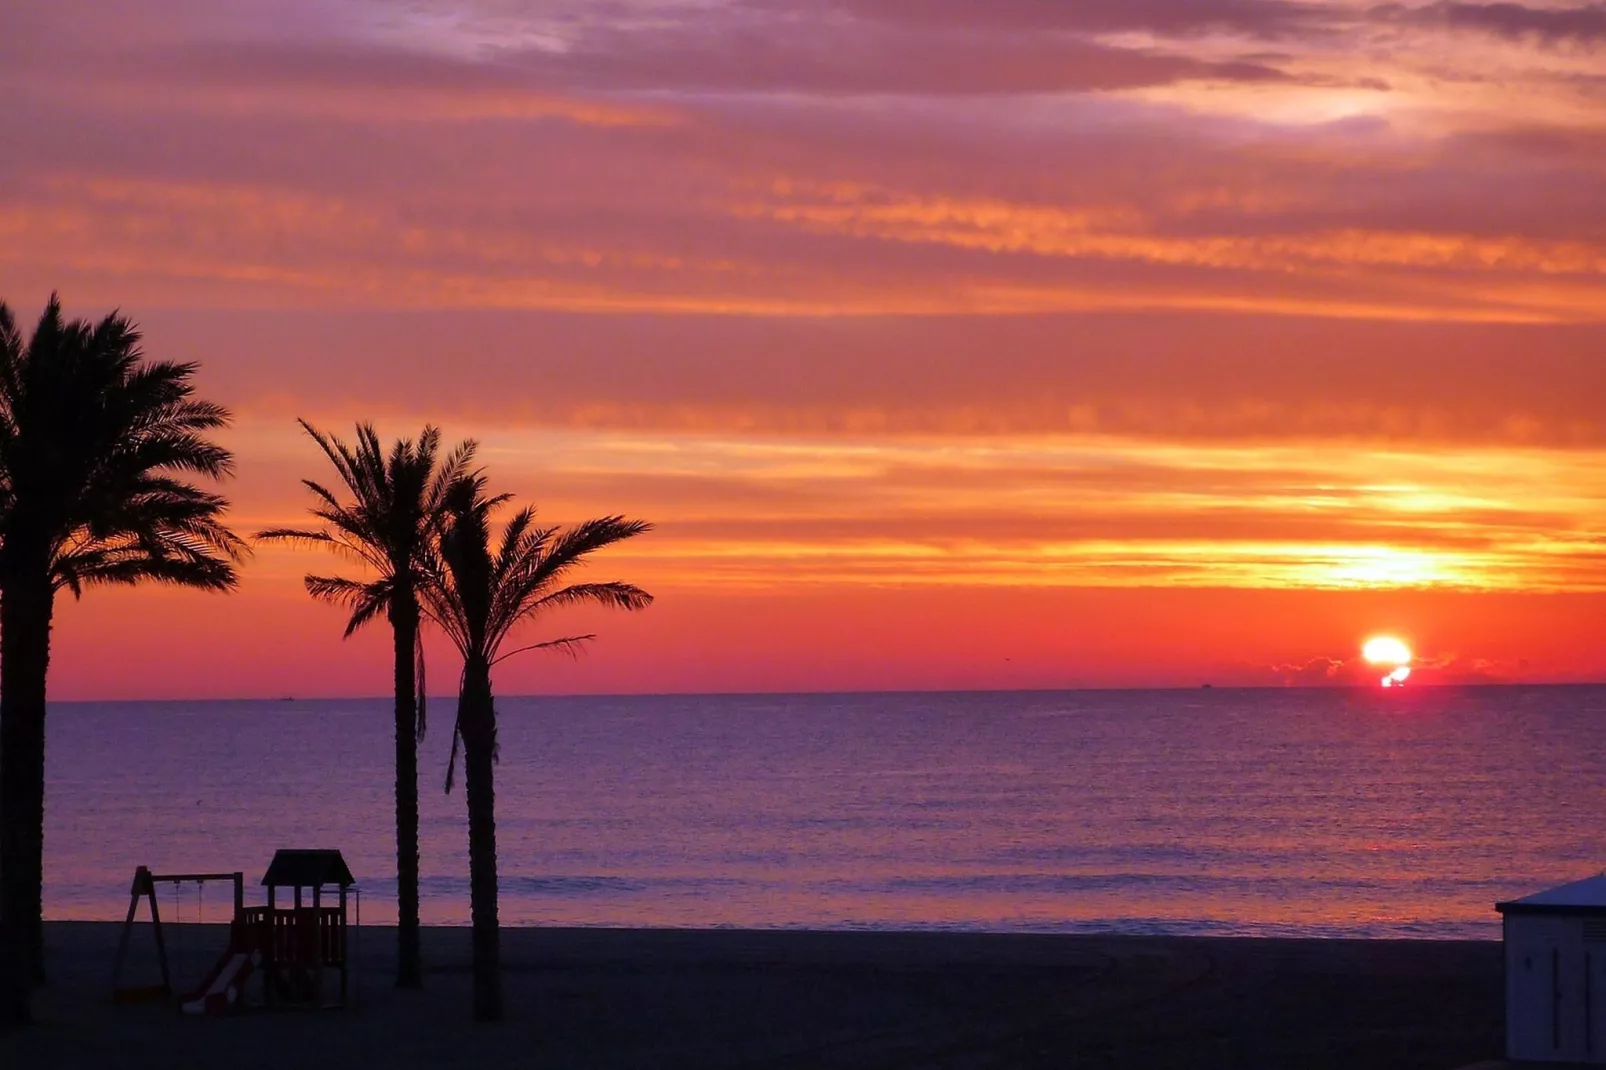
(1025, 343)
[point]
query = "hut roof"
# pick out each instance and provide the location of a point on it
(1587, 896)
(307, 869)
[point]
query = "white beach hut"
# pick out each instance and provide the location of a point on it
(1555, 943)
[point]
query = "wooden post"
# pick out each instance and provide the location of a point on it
(270, 961)
(156, 924)
(239, 897)
(317, 946)
(142, 885)
(343, 948)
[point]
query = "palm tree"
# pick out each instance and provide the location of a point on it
(390, 525)
(478, 597)
(94, 444)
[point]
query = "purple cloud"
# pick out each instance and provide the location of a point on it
(1584, 24)
(835, 58)
(1167, 18)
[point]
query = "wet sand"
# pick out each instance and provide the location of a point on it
(732, 998)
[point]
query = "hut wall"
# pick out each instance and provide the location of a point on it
(1555, 988)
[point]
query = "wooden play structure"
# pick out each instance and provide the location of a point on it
(292, 948)
(302, 941)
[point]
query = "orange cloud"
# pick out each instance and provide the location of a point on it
(1080, 511)
(1121, 233)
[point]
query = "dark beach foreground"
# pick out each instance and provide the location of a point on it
(733, 998)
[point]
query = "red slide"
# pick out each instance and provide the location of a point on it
(225, 984)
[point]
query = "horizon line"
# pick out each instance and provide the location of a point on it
(1491, 685)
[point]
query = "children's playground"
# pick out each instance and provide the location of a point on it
(293, 951)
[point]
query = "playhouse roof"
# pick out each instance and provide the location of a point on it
(307, 869)
(1587, 896)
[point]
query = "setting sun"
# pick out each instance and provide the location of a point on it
(1387, 650)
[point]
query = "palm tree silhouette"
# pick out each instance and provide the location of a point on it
(94, 444)
(390, 525)
(478, 597)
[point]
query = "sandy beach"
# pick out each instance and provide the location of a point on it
(734, 998)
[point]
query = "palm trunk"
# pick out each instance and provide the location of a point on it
(477, 718)
(409, 970)
(25, 612)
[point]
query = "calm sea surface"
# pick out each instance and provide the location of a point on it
(1307, 812)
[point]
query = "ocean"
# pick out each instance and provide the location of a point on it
(1331, 813)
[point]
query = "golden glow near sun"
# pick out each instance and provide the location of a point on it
(1389, 651)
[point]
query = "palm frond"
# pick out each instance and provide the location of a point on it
(457, 733)
(338, 590)
(364, 613)
(613, 594)
(302, 535)
(192, 570)
(573, 646)
(420, 687)
(94, 442)
(387, 520)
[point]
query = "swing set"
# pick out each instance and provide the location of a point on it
(290, 947)
(144, 888)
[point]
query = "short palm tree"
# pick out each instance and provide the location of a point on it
(390, 525)
(95, 442)
(479, 596)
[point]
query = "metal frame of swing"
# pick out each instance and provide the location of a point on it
(144, 887)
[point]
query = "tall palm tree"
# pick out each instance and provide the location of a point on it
(390, 525)
(478, 597)
(95, 442)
